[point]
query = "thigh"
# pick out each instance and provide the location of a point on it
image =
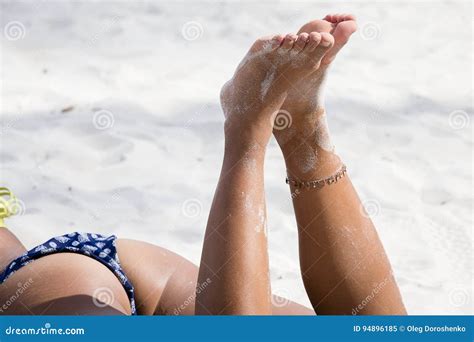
(63, 284)
(166, 283)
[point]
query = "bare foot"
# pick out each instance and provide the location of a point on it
(306, 95)
(306, 142)
(261, 82)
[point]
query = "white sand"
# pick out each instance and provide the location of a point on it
(150, 174)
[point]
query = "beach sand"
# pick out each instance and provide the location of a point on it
(111, 123)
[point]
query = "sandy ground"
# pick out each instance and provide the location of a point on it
(110, 122)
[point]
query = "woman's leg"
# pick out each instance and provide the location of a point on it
(166, 283)
(343, 263)
(234, 259)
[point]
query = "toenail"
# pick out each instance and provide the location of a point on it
(325, 43)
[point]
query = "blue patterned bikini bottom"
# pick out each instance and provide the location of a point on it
(98, 247)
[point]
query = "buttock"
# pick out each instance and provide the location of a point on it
(99, 249)
(63, 284)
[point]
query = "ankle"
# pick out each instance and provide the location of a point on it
(304, 126)
(308, 162)
(243, 135)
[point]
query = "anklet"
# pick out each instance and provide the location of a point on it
(318, 183)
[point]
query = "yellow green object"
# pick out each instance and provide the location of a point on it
(9, 205)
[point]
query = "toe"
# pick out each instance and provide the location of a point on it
(313, 41)
(332, 18)
(341, 34)
(349, 17)
(326, 42)
(329, 17)
(262, 43)
(339, 17)
(343, 30)
(278, 39)
(317, 26)
(289, 41)
(301, 42)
